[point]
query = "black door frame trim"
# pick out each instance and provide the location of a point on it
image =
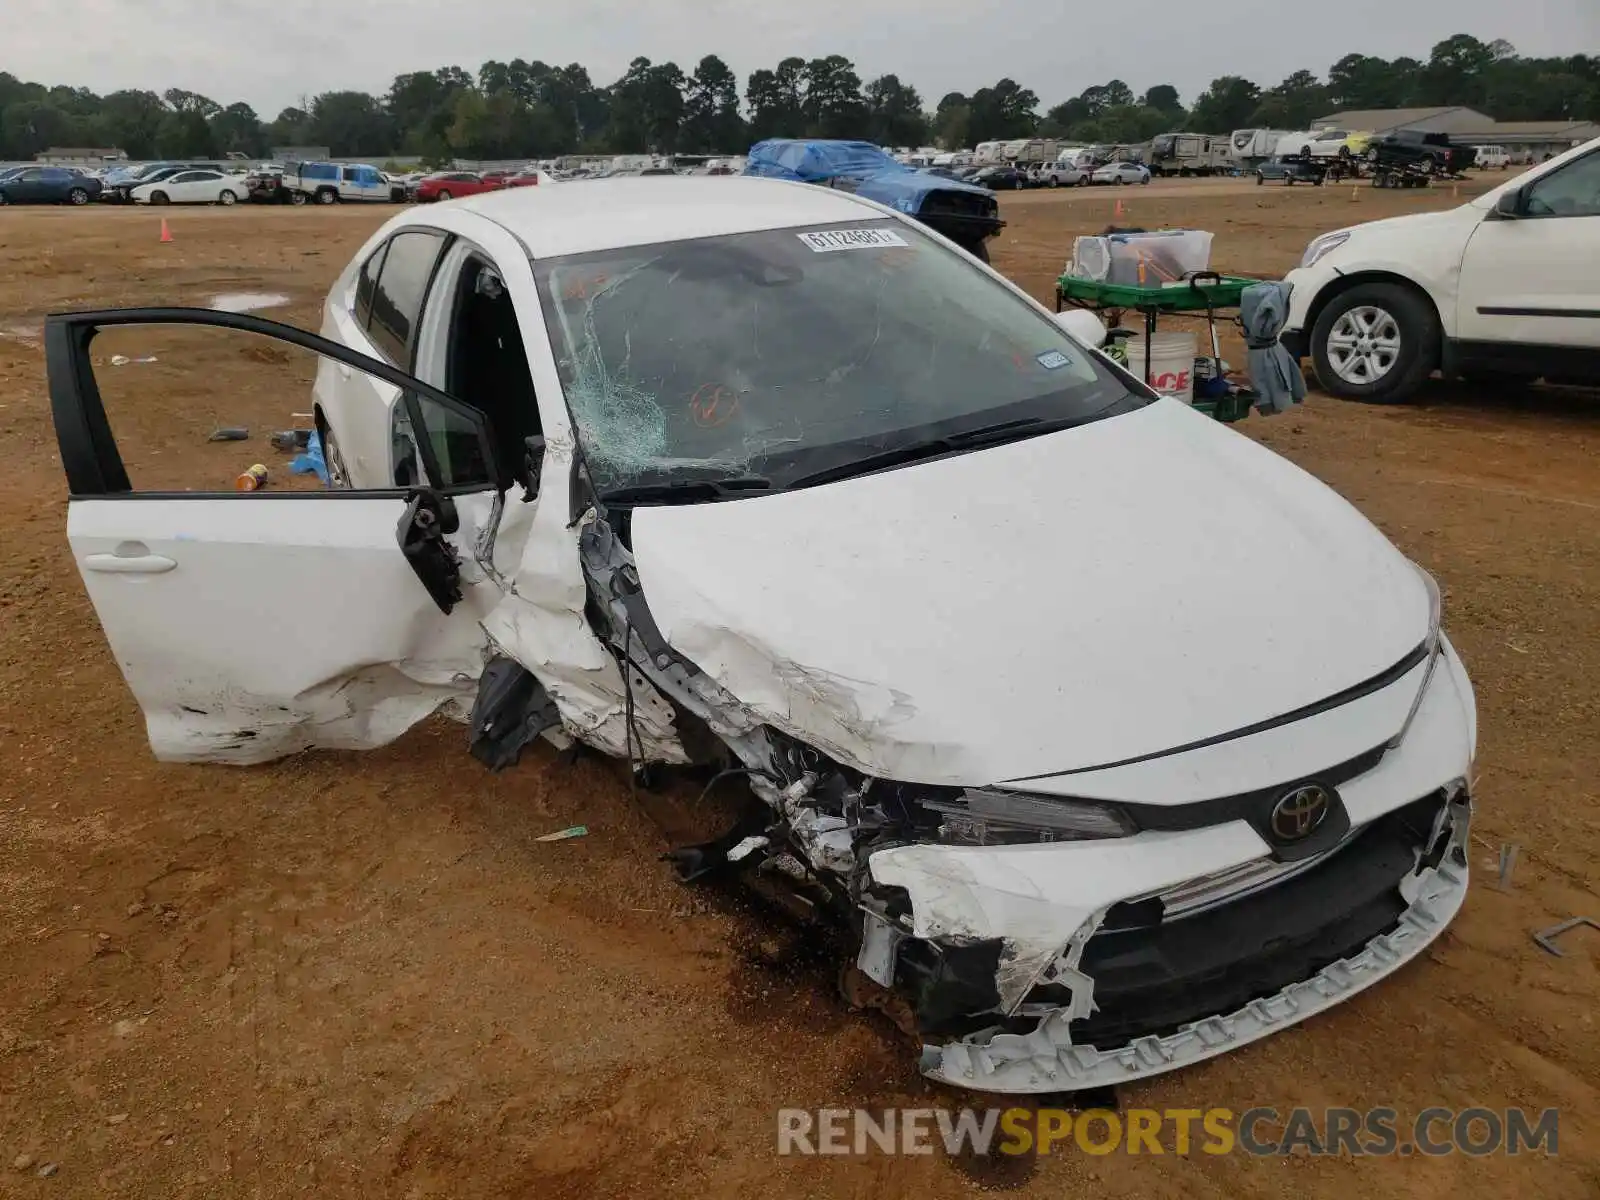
(89, 452)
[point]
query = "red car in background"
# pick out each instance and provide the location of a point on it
(448, 185)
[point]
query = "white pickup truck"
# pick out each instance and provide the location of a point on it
(1503, 287)
(329, 183)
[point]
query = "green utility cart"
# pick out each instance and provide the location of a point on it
(1205, 292)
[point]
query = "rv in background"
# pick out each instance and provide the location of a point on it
(1189, 154)
(986, 153)
(1250, 147)
(1024, 152)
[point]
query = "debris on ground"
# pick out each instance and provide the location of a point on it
(122, 360)
(290, 440)
(1508, 864)
(1547, 937)
(230, 433)
(574, 831)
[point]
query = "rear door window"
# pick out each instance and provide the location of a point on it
(402, 287)
(367, 284)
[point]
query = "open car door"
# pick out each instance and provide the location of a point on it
(251, 625)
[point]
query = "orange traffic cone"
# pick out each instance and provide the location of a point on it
(1118, 211)
(166, 234)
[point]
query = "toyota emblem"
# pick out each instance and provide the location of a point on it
(1300, 811)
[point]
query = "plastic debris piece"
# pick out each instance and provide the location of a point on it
(311, 461)
(122, 360)
(230, 433)
(290, 440)
(574, 831)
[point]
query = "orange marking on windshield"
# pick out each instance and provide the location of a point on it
(713, 405)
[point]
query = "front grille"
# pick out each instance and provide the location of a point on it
(1156, 977)
(1208, 891)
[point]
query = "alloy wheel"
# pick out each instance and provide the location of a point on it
(1364, 344)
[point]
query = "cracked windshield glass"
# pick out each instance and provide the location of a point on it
(766, 357)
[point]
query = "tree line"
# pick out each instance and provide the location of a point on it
(523, 109)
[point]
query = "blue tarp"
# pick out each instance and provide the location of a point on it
(880, 178)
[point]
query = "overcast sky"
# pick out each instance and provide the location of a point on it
(270, 53)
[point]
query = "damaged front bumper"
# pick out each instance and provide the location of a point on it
(1072, 965)
(1063, 1050)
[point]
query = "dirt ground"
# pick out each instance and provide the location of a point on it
(360, 975)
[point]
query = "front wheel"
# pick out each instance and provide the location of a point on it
(227, 197)
(327, 196)
(297, 198)
(78, 196)
(160, 198)
(1376, 342)
(1145, 182)
(444, 195)
(4, 200)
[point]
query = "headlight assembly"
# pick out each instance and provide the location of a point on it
(1322, 246)
(986, 817)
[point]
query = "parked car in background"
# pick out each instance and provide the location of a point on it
(264, 183)
(1000, 178)
(1503, 287)
(1415, 150)
(1059, 174)
(1121, 172)
(1290, 171)
(49, 185)
(193, 187)
(450, 185)
(119, 188)
(1491, 158)
(531, 177)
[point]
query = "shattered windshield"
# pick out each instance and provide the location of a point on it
(781, 352)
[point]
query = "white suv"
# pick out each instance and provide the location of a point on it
(1503, 286)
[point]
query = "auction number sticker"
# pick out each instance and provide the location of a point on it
(1052, 360)
(851, 239)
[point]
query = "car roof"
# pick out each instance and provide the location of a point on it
(578, 216)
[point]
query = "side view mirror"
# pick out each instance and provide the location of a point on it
(1509, 204)
(1083, 325)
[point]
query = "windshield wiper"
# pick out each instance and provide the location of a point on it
(966, 439)
(673, 490)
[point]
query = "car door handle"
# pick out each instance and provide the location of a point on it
(139, 564)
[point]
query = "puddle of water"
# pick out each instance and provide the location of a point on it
(241, 302)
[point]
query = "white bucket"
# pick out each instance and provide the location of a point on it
(1172, 368)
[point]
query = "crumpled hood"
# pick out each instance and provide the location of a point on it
(1068, 601)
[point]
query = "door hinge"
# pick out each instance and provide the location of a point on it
(428, 518)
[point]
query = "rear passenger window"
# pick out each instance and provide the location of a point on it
(367, 284)
(402, 286)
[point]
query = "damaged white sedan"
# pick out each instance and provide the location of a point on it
(1114, 740)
